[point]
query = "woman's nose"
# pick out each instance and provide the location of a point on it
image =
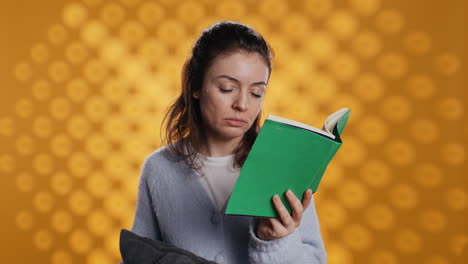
(240, 104)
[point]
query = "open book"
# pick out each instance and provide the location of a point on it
(286, 155)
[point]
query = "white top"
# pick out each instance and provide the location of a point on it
(218, 177)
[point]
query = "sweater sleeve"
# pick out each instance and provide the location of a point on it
(305, 245)
(145, 222)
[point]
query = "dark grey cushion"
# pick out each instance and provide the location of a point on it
(142, 250)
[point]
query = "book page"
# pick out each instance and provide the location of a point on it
(300, 125)
(332, 120)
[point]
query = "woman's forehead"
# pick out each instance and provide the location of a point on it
(240, 65)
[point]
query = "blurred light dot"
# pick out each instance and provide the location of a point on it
(115, 127)
(62, 221)
(458, 243)
(428, 174)
(453, 153)
(365, 7)
(404, 196)
(333, 213)
(323, 87)
(396, 108)
(78, 127)
(376, 173)
(98, 184)
(116, 204)
(408, 241)
(190, 12)
(61, 183)
(22, 71)
(43, 239)
(432, 220)
(130, 2)
(344, 67)
(356, 152)
(417, 42)
(61, 257)
(355, 189)
(456, 198)
(321, 46)
(25, 182)
(296, 26)
(93, 33)
(274, 10)
(41, 90)
(74, 15)
(79, 164)
(357, 237)
(76, 53)
(77, 90)
(383, 257)
(7, 126)
(97, 146)
(40, 53)
(42, 126)
(151, 13)
(380, 217)
(368, 86)
(97, 108)
(24, 220)
(436, 260)
(99, 223)
(392, 65)
(57, 34)
(171, 31)
(389, 21)
(450, 108)
(447, 63)
(61, 145)
(7, 163)
(59, 71)
(132, 33)
(99, 256)
(112, 14)
(377, 126)
(80, 202)
(400, 152)
(60, 108)
(342, 23)
(95, 71)
(24, 108)
(424, 130)
(93, 3)
(80, 241)
(43, 163)
(317, 8)
(112, 52)
(338, 253)
(43, 201)
(421, 86)
(366, 44)
(112, 243)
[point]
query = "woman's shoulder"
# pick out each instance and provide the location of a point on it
(161, 159)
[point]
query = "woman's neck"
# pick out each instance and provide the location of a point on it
(216, 147)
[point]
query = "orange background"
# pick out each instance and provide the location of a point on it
(84, 85)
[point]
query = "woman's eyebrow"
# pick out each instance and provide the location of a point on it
(237, 81)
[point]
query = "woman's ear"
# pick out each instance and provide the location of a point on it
(196, 95)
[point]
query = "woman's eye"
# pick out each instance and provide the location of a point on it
(225, 90)
(257, 95)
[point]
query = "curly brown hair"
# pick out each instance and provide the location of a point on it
(184, 130)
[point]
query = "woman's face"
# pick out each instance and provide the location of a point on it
(232, 94)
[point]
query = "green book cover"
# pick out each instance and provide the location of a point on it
(286, 155)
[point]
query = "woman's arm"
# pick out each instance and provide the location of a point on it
(304, 245)
(145, 222)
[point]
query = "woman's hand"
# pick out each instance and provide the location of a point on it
(274, 228)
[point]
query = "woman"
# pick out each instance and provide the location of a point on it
(211, 127)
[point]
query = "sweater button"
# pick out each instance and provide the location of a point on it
(214, 218)
(219, 259)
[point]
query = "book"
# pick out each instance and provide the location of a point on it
(285, 155)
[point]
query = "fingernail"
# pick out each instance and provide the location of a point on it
(288, 192)
(276, 197)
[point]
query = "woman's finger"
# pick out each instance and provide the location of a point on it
(307, 199)
(296, 207)
(282, 212)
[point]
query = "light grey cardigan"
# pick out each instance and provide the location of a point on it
(173, 206)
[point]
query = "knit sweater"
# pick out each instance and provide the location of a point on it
(172, 206)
